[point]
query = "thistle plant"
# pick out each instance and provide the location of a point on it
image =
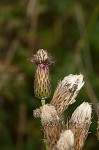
(55, 137)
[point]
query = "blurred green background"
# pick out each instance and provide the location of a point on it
(69, 30)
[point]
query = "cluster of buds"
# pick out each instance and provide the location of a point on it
(64, 95)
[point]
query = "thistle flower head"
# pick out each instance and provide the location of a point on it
(80, 123)
(66, 92)
(42, 87)
(66, 141)
(42, 57)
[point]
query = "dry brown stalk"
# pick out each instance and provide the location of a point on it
(51, 125)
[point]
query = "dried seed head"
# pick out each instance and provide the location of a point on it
(42, 57)
(66, 92)
(80, 123)
(51, 125)
(66, 141)
(82, 114)
(49, 115)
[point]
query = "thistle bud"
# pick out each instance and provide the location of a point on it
(79, 124)
(42, 87)
(66, 141)
(66, 92)
(51, 125)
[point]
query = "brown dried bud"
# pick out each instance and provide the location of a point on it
(66, 92)
(51, 125)
(66, 141)
(79, 124)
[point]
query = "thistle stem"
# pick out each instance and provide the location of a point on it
(43, 102)
(46, 145)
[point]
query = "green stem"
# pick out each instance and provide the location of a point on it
(43, 102)
(46, 145)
